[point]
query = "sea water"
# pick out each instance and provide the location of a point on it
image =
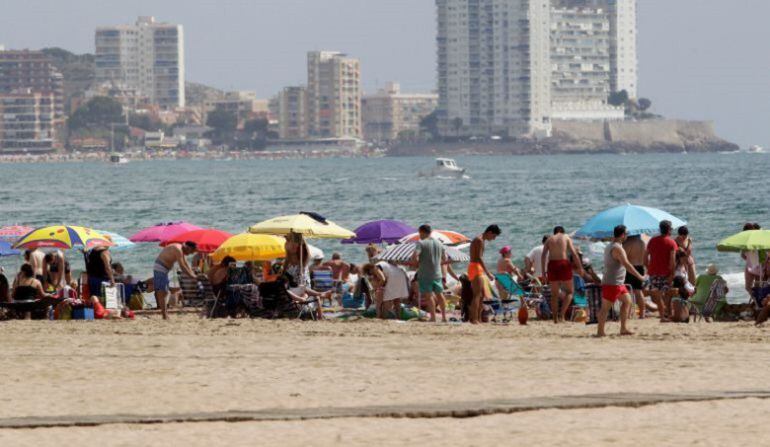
(527, 196)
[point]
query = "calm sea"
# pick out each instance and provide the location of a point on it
(526, 196)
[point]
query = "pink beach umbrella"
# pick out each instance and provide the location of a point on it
(163, 232)
(13, 233)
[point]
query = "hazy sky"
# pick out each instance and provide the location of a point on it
(699, 59)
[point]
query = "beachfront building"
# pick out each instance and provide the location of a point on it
(333, 95)
(390, 114)
(509, 67)
(292, 113)
(27, 121)
(147, 56)
(34, 71)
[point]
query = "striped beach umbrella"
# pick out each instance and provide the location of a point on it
(402, 253)
(63, 237)
(121, 242)
(444, 236)
(12, 233)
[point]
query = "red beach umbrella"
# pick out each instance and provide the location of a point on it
(208, 240)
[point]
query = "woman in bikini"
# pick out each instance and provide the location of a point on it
(684, 242)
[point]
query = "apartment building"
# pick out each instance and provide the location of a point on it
(27, 121)
(509, 67)
(32, 70)
(147, 56)
(333, 95)
(292, 113)
(390, 113)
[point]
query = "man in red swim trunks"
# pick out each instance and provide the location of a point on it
(616, 265)
(558, 270)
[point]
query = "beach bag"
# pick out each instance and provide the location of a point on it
(136, 302)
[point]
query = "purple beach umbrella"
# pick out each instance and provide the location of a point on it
(381, 231)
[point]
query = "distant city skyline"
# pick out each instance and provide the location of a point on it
(688, 67)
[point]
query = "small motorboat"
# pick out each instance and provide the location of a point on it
(445, 167)
(755, 149)
(118, 159)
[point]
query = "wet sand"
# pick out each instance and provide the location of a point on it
(193, 366)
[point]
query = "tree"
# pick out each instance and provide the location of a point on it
(429, 124)
(257, 126)
(97, 113)
(221, 121)
(644, 104)
(618, 98)
(457, 124)
(145, 122)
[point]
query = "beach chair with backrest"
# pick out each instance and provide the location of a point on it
(197, 292)
(717, 294)
(322, 280)
(516, 297)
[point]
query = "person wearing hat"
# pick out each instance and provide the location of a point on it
(703, 288)
(505, 266)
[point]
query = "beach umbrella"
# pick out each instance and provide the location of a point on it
(63, 237)
(637, 219)
(120, 242)
(402, 253)
(381, 232)
(444, 236)
(251, 247)
(163, 231)
(754, 240)
(207, 240)
(12, 233)
(6, 250)
(309, 225)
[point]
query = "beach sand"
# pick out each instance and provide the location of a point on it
(148, 367)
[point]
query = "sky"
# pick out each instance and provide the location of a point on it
(698, 59)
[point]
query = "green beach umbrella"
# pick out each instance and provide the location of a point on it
(754, 240)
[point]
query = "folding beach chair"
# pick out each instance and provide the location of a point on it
(197, 292)
(717, 294)
(276, 302)
(508, 307)
(323, 281)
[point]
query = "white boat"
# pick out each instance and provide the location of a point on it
(118, 159)
(755, 149)
(445, 167)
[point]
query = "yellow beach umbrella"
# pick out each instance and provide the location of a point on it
(307, 225)
(251, 247)
(63, 237)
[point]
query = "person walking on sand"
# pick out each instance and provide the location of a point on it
(557, 269)
(660, 261)
(478, 273)
(429, 257)
(635, 248)
(616, 266)
(164, 263)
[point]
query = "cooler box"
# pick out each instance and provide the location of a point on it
(83, 313)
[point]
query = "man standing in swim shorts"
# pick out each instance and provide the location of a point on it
(557, 269)
(164, 263)
(616, 267)
(635, 248)
(660, 261)
(478, 272)
(429, 257)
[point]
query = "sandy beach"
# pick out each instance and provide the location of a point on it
(191, 366)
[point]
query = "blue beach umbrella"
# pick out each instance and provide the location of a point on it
(637, 219)
(121, 243)
(6, 250)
